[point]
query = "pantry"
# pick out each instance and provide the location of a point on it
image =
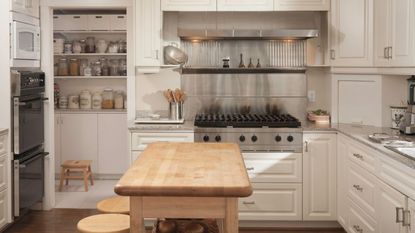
(90, 88)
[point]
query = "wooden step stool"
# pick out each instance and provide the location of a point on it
(105, 223)
(83, 166)
(115, 205)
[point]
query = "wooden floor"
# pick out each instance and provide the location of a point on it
(65, 220)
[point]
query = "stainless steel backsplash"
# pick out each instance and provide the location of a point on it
(244, 93)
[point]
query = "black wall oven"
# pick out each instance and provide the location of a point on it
(28, 88)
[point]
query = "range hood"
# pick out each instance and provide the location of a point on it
(247, 34)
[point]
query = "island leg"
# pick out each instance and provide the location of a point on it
(136, 215)
(230, 222)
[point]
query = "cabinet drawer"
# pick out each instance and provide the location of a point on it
(3, 172)
(140, 141)
(98, 22)
(70, 22)
(359, 222)
(362, 157)
(274, 167)
(272, 202)
(118, 22)
(361, 188)
(3, 208)
(3, 144)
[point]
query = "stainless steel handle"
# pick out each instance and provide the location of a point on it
(357, 228)
(359, 156)
(306, 146)
(250, 168)
(333, 54)
(157, 54)
(399, 214)
(358, 187)
(248, 202)
(385, 53)
(16, 194)
(406, 218)
(390, 53)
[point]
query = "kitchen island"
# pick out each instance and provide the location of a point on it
(186, 180)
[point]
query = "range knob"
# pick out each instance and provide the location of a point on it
(242, 138)
(254, 138)
(290, 138)
(205, 138)
(218, 138)
(278, 138)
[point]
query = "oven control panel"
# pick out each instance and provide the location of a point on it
(32, 80)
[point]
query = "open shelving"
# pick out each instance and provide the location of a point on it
(90, 77)
(88, 54)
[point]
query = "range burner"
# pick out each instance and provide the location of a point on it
(246, 121)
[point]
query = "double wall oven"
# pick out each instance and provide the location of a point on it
(28, 89)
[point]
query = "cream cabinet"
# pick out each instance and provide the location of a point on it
(302, 5)
(3, 208)
(352, 33)
(411, 208)
(245, 5)
(100, 137)
(394, 33)
(83, 22)
(319, 177)
(188, 5)
(148, 36)
(27, 7)
(342, 150)
(4, 171)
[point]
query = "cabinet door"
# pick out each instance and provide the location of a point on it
(3, 172)
(382, 25)
(70, 22)
(79, 138)
(118, 22)
(342, 149)
(302, 5)
(352, 37)
(402, 33)
(188, 5)
(390, 205)
(148, 33)
(411, 208)
(27, 7)
(113, 156)
(245, 5)
(319, 177)
(58, 155)
(3, 208)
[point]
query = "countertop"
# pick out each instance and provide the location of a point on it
(187, 126)
(3, 130)
(188, 170)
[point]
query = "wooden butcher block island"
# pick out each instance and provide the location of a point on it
(186, 180)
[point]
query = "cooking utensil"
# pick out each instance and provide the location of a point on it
(251, 65)
(258, 65)
(241, 63)
(174, 55)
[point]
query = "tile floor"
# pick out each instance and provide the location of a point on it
(74, 196)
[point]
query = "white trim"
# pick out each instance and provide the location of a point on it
(79, 4)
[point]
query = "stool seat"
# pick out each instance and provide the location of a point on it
(115, 205)
(76, 163)
(79, 166)
(105, 223)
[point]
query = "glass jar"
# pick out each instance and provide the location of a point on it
(122, 68)
(119, 100)
(85, 100)
(90, 45)
(83, 45)
(96, 69)
(55, 69)
(101, 46)
(113, 47)
(74, 67)
(68, 47)
(104, 67)
(122, 46)
(63, 67)
(83, 64)
(108, 99)
(113, 67)
(96, 100)
(88, 70)
(76, 46)
(73, 102)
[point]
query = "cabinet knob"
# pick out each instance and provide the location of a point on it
(358, 187)
(250, 168)
(359, 156)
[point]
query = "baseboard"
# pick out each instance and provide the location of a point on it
(289, 224)
(98, 176)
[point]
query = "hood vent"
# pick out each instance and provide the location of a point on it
(244, 34)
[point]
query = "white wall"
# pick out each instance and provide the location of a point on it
(319, 80)
(394, 93)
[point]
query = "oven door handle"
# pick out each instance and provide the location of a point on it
(25, 163)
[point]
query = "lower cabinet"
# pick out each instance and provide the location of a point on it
(319, 177)
(100, 137)
(359, 222)
(3, 208)
(411, 208)
(4, 171)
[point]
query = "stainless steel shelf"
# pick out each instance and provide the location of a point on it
(200, 70)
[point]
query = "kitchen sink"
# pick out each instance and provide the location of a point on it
(408, 151)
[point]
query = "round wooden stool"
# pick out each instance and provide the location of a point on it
(115, 205)
(105, 223)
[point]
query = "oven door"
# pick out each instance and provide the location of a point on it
(28, 123)
(28, 185)
(25, 41)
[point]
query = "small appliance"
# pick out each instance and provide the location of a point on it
(408, 125)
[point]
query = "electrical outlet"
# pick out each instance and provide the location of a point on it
(311, 96)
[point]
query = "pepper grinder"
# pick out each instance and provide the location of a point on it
(258, 65)
(241, 63)
(250, 63)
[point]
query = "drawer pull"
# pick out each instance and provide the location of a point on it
(358, 188)
(358, 156)
(406, 218)
(399, 214)
(357, 228)
(248, 202)
(250, 168)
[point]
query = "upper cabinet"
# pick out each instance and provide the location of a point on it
(394, 33)
(188, 5)
(302, 5)
(148, 36)
(27, 7)
(352, 37)
(245, 5)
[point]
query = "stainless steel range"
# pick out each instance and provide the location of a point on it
(253, 132)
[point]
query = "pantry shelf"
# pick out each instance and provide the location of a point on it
(88, 54)
(84, 111)
(90, 32)
(90, 77)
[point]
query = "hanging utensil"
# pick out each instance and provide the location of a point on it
(241, 63)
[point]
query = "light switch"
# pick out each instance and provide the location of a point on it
(311, 96)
